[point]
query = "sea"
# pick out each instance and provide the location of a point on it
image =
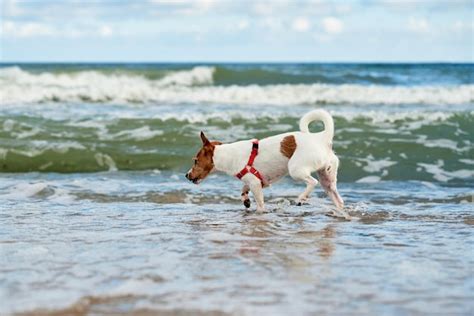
(97, 218)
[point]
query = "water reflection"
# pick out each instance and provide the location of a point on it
(285, 240)
(136, 254)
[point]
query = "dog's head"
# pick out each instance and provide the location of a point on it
(203, 162)
(328, 180)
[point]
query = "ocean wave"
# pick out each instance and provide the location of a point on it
(372, 145)
(196, 86)
(258, 76)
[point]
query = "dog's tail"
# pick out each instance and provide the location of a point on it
(318, 115)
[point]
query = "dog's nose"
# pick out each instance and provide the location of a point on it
(186, 175)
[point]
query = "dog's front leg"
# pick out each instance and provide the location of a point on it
(245, 196)
(300, 174)
(310, 184)
(256, 187)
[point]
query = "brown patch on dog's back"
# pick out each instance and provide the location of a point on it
(288, 146)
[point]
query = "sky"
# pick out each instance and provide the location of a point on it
(237, 31)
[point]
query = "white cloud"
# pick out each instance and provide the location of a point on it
(189, 7)
(343, 8)
(13, 29)
(460, 26)
(243, 24)
(301, 24)
(205, 4)
(11, 8)
(418, 25)
(260, 8)
(273, 24)
(323, 38)
(105, 31)
(167, 1)
(332, 25)
(28, 29)
(265, 7)
(171, 2)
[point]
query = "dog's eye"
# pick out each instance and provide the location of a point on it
(329, 168)
(195, 161)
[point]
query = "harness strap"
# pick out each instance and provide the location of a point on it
(249, 167)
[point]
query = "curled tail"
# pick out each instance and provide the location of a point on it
(318, 115)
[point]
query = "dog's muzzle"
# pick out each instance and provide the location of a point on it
(193, 180)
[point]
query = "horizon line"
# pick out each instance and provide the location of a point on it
(232, 62)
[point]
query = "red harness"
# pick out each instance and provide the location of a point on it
(249, 167)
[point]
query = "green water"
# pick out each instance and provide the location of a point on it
(389, 147)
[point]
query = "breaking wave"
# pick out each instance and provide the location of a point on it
(199, 85)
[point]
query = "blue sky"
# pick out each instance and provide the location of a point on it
(259, 30)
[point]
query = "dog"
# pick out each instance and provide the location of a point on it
(261, 163)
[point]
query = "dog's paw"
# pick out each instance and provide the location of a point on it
(247, 203)
(297, 203)
(300, 203)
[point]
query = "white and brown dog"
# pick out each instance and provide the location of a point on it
(260, 163)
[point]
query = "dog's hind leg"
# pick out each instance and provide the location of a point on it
(245, 196)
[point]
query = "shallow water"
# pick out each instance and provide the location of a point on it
(145, 242)
(96, 216)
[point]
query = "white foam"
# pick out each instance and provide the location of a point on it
(27, 190)
(196, 76)
(3, 153)
(24, 190)
(467, 161)
(377, 165)
(193, 86)
(8, 125)
(197, 116)
(135, 287)
(28, 133)
(376, 117)
(105, 160)
(441, 143)
(38, 147)
(139, 134)
(19, 130)
(443, 175)
(369, 179)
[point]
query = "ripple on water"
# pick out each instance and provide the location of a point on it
(123, 250)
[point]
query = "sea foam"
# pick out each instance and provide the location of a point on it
(196, 86)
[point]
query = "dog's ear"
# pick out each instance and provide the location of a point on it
(204, 139)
